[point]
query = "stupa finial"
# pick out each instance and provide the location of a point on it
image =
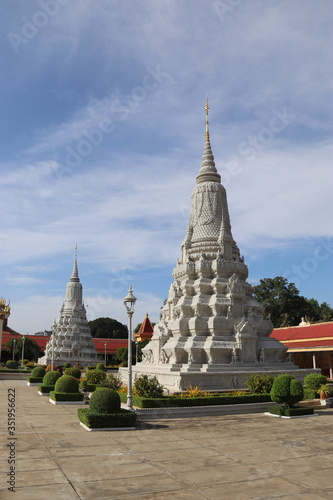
(207, 123)
(75, 272)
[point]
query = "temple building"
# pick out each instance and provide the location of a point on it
(212, 332)
(71, 338)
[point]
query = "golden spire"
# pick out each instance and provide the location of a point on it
(207, 124)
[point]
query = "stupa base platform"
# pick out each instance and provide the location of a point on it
(212, 377)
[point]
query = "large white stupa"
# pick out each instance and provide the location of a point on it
(212, 332)
(71, 338)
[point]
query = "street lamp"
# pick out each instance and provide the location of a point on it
(129, 302)
(23, 341)
(14, 344)
(105, 354)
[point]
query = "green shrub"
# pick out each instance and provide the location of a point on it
(286, 390)
(12, 365)
(38, 371)
(123, 364)
(84, 386)
(148, 387)
(314, 381)
(112, 382)
(214, 399)
(66, 365)
(100, 366)
(66, 396)
(260, 383)
(51, 377)
(74, 372)
(290, 412)
(105, 400)
(310, 393)
(24, 361)
(35, 380)
(45, 389)
(93, 420)
(67, 384)
(95, 376)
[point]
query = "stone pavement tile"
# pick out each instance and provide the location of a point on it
(309, 496)
(92, 451)
(188, 465)
(262, 489)
(116, 488)
(261, 455)
(48, 492)
(222, 474)
(143, 436)
(36, 478)
(32, 453)
(316, 479)
(161, 456)
(167, 445)
(74, 439)
(302, 464)
(31, 464)
(104, 467)
(174, 495)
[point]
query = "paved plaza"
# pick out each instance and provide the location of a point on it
(243, 457)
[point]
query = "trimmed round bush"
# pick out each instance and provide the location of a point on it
(66, 365)
(38, 371)
(74, 372)
(12, 365)
(314, 380)
(100, 366)
(286, 390)
(95, 376)
(51, 377)
(105, 400)
(260, 383)
(66, 383)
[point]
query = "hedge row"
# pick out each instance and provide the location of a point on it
(203, 401)
(43, 388)
(35, 380)
(66, 396)
(95, 420)
(290, 412)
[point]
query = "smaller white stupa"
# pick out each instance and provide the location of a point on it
(71, 338)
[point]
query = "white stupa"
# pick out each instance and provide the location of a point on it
(71, 338)
(212, 332)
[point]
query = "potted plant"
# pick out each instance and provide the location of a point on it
(326, 395)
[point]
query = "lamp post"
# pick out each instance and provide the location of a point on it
(14, 345)
(52, 352)
(129, 302)
(105, 354)
(23, 341)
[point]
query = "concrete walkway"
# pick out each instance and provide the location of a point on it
(243, 457)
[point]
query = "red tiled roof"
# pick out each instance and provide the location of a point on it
(112, 345)
(308, 336)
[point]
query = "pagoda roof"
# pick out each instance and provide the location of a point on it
(146, 330)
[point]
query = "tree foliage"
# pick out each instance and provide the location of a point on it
(32, 350)
(108, 328)
(286, 306)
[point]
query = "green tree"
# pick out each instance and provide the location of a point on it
(286, 306)
(108, 328)
(121, 355)
(32, 351)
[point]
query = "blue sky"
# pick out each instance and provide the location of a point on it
(102, 134)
